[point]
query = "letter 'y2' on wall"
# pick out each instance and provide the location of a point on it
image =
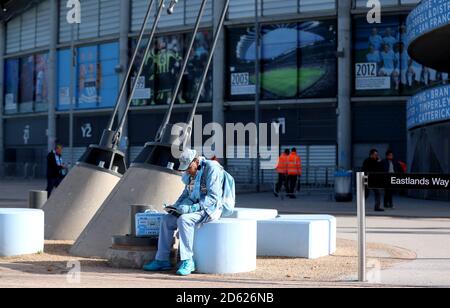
(74, 14)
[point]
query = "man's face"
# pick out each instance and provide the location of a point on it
(374, 156)
(390, 156)
(193, 168)
(59, 150)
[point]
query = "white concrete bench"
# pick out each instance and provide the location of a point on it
(257, 214)
(331, 226)
(21, 232)
(226, 246)
(299, 236)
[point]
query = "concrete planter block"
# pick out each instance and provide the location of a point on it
(330, 219)
(293, 238)
(21, 232)
(257, 214)
(127, 258)
(226, 246)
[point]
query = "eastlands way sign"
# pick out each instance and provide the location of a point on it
(409, 181)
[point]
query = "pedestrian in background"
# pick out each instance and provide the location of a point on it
(55, 168)
(294, 172)
(282, 171)
(390, 166)
(373, 165)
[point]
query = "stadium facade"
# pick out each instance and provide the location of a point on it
(338, 85)
(428, 111)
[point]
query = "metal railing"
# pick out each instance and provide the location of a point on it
(313, 177)
(22, 170)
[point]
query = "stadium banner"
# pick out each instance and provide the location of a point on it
(97, 82)
(241, 63)
(109, 79)
(64, 61)
(41, 88)
(298, 60)
(196, 67)
(317, 69)
(26, 84)
(367, 77)
(279, 61)
(88, 77)
(382, 65)
(11, 85)
(429, 106)
(162, 65)
(144, 93)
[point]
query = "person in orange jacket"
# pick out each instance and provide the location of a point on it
(294, 172)
(282, 170)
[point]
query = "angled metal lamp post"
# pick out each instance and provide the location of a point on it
(88, 184)
(151, 180)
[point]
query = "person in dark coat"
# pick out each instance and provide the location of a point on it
(373, 165)
(390, 166)
(55, 168)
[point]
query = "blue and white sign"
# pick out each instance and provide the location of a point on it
(148, 224)
(429, 106)
(429, 15)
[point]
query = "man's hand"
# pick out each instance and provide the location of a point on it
(170, 208)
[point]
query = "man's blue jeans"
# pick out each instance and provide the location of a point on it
(186, 225)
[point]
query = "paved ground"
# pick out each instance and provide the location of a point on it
(322, 203)
(135, 279)
(417, 225)
(14, 193)
(422, 227)
(427, 237)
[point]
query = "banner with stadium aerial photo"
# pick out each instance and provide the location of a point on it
(298, 60)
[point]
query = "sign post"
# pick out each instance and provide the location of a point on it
(361, 180)
(409, 181)
(389, 181)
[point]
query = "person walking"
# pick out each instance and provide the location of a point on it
(390, 166)
(294, 172)
(55, 168)
(282, 171)
(373, 165)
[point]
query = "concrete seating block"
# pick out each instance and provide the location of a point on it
(257, 214)
(290, 237)
(131, 258)
(331, 221)
(226, 246)
(21, 232)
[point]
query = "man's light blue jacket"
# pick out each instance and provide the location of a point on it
(210, 181)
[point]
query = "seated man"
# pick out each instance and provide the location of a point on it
(200, 202)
